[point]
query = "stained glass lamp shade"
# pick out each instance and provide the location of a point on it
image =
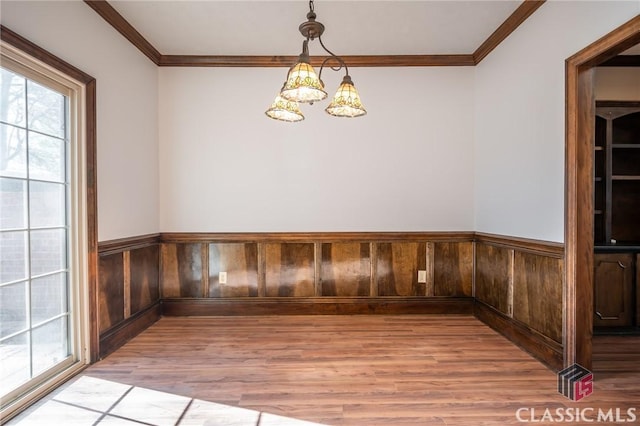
(303, 84)
(284, 110)
(346, 102)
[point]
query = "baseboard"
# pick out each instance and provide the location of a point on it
(541, 347)
(126, 330)
(317, 306)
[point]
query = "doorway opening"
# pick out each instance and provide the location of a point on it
(579, 187)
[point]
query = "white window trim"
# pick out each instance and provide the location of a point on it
(36, 70)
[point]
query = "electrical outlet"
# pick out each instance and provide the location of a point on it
(222, 278)
(422, 276)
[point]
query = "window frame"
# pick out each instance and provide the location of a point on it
(20, 55)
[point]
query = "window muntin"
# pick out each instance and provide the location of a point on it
(43, 228)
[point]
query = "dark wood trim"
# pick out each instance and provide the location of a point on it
(21, 43)
(318, 306)
(506, 28)
(192, 237)
(579, 110)
(622, 61)
(126, 330)
(117, 21)
(37, 52)
(546, 248)
(92, 214)
(539, 346)
(287, 61)
(129, 243)
(608, 46)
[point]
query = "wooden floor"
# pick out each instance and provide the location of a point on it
(363, 370)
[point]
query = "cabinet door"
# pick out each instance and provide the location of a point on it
(638, 290)
(613, 290)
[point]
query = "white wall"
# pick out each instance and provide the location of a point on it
(406, 166)
(127, 85)
(618, 83)
(519, 117)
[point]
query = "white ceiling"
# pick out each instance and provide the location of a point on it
(353, 27)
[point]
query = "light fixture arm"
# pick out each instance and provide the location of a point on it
(304, 85)
(304, 56)
(312, 29)
(334, 57)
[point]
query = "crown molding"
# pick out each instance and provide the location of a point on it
(286, 61)
(118, 22)
(510, 24)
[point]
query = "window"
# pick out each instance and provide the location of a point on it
(42, 228)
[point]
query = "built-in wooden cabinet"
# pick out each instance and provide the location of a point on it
(638, 290)
(617, 173)
(614, 275)
(617, 215)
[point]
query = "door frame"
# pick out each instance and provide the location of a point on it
(579, 134)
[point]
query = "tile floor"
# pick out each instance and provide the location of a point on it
(89, 401)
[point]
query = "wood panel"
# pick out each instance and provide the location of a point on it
(397, 266)
(453, 269)
(613, 289)
(346, 269)
(240, 262)
(290, 269)
(181, 270)
(144, 284)
(537, 293)
(494, 277)
(110, 291)
(127, 283)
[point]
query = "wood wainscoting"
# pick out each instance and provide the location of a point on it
(514, 285)
(519, 290)
(128, 289)
(316, 273)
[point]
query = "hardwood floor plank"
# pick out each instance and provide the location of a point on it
(362, 370)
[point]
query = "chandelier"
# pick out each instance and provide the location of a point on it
(305, 86)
